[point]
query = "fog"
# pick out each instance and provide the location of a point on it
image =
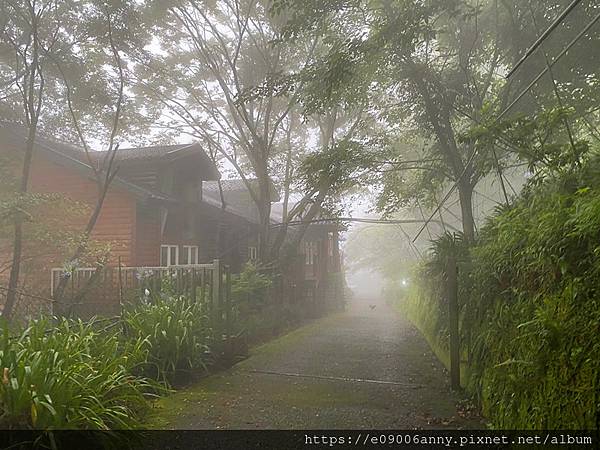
(365, 283)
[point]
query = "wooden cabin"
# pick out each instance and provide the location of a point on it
(154, 213)
(163, 208)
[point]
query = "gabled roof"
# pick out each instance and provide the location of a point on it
(133, 154)
(239, 187)
(68, 155)
(237, 198)
(153, 152)
(159, 153)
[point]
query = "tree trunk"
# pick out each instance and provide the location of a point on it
(15, 269)
(264, 212)
(102, 187)
(465, 193)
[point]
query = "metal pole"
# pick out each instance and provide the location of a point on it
(544, 36)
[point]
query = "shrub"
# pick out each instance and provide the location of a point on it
(533, 311)
(250, 285)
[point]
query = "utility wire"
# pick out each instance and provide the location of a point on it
(544, 36)
(447, 196)
(549, 66)
(359, 220)
(508, 108)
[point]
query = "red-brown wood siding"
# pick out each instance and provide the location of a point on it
(147, 236)
(117, 221)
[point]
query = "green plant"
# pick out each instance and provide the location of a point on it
(530, 314)
(251, 284)
(175, 333)
(72, 377)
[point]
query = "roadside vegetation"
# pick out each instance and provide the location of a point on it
(530, 316)
(103, 374)
(426, 108)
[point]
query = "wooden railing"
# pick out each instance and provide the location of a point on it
(88, 291)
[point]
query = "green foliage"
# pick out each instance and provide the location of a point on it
(258, 316)
(79, 375)
(542, 141)
(73, 377)
(530, 314)
(175, 335)
(250, 285)
(339, 166)
(444, 247)
(74, 38)
(534, 303)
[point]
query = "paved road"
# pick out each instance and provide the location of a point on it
(365, 368)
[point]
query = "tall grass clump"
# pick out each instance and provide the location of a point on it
(175, 334)
(72, 377)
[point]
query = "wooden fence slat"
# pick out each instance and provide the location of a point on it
(107, 291)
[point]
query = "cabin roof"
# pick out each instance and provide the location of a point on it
(238, 187)
(166, 153)
(67, 154)
(131, 155)
(238, 200)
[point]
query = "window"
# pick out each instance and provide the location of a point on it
(190, 254)
(252, 253)
(330, 244)
(310, 252)
(169, 255)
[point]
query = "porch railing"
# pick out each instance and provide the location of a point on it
(89, 291)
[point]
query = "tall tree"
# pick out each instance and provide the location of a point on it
(209, 54)
(435, 67)
(55, 68)
(207, 76)
(25, 36)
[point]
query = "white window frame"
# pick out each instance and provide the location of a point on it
(170, 248)
(252, 253)
(188, 252)
(310, 252)
(330, 243)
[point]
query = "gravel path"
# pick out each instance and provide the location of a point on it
(365, 368)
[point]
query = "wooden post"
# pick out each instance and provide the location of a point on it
(216, 298)
(228, 314)
(120, 288)
(452, 288)
(193, 282)
(227, 301)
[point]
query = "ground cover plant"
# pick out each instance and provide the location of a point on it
(61, 373)
(174, 333)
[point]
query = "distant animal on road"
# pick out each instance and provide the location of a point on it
(372, 306)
